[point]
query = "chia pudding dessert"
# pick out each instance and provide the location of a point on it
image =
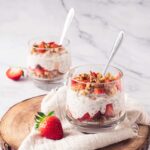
(95, 100)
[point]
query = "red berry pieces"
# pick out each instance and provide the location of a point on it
(42, 45)
(97, 116)
(39, 71)
(73, 83)
(85, 117)
(53, 45)
(109, 110)
(95, 83)
(14, 73)
(94, 74)
(98, 91)
(50, 47)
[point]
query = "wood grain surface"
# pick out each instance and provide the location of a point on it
(16, 124)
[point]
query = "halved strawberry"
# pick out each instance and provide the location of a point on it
(53, 45)
(97, 116)
(81, 86)
(42, 45)
(41, 50)
(39, 71)
(85, 117)
(49, 126)
(73, 83)
(93, 74)
(98, 91)
(109, 110)
(14, 73)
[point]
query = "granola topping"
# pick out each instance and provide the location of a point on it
(47, 48)
(48, 60)
(95, 83)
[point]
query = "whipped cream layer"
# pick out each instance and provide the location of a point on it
(60, 62)
(78, 104)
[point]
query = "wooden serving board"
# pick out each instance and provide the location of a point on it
(16, 124)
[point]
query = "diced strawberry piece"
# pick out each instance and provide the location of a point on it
(39, 70)
(109, 110)
(73, 83)
(53, 45)
(107, 80)
(97, 116)
(42, 45)
(85, 117)
(14, 73)
(41, 50)
(85, 80)
(93, 74)
(81, 86)
(98, 91)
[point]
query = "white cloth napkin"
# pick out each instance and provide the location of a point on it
(75, 140)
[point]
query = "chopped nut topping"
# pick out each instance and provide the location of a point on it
(95, 83)
(44, 47)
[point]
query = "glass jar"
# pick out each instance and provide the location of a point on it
(48, 61)
(95, 102)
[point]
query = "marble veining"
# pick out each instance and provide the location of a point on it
(93, 31)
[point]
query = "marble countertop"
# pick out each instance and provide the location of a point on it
(93, 31)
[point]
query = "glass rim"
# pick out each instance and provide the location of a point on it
(110, 66)
(66, 41)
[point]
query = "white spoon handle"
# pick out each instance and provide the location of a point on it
(67, 24)
(114, 50)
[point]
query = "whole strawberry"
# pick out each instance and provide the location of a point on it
(49, 126)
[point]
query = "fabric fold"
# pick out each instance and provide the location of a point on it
(75, 140)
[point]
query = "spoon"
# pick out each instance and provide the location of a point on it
(114, 50)
(68, 21)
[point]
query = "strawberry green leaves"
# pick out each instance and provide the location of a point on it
(51, 113)
(40, 118)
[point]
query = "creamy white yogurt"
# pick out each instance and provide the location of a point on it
(60, 62)
(78, 105)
